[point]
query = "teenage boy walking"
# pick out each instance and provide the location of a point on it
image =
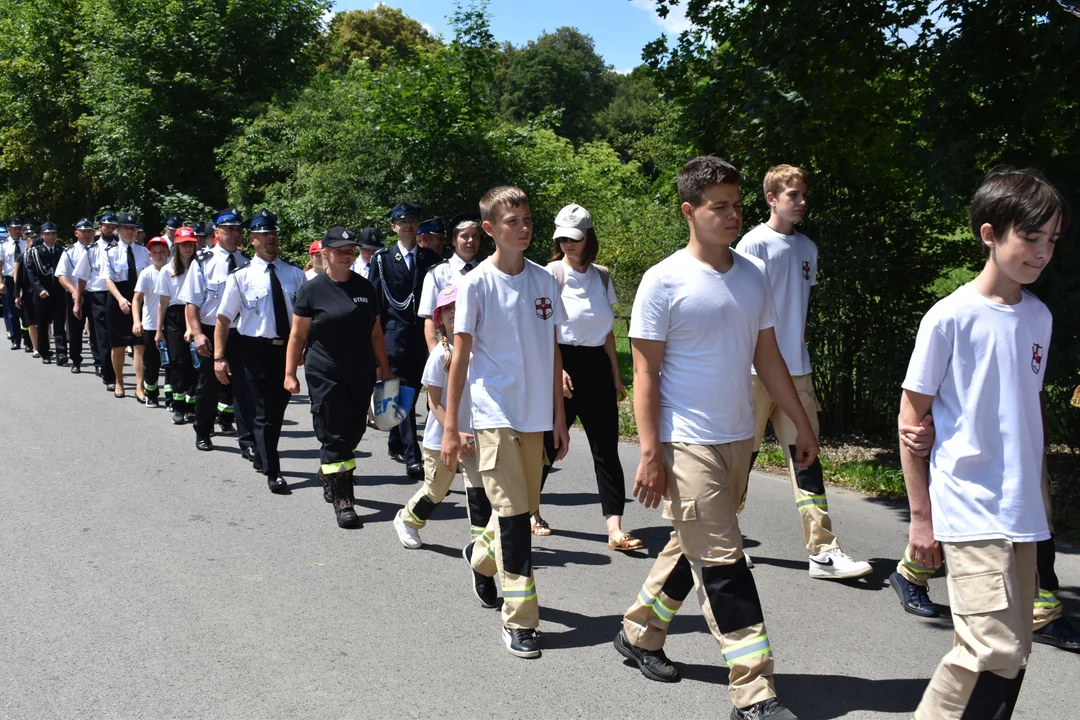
(700, 318)
(979, 363)
(792, 259)
(507, 312)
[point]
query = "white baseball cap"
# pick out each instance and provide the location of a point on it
(572, 222)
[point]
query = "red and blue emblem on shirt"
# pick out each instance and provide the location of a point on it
(543, 308)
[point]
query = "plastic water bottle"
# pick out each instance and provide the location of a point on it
(195, 361)
(163, 350)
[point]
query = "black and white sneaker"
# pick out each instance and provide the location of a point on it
(770, 709)
(522, 643)
(654, 664)
(483, 586)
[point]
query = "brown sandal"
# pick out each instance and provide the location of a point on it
(626, 543)
(540, 527)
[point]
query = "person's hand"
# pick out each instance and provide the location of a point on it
(918, 439)
(43, 294)
(136, 328)
(806, 447)
(202, 346)
(620, 390)
(189, 336)
(292, 384)
(451, 448)
(567, 385)
(159, 337)
(923, 549)
(76, 309)
(125, 307)
(18, 301)
(3, 288)
(221, 369)
(468, 449)
(650, 483)
(562, 439)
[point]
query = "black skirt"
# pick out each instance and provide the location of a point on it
(118, 324)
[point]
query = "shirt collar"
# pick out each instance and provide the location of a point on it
(457, 264)
(401, 249)
(262, 264)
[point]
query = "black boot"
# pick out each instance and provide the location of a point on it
(327, 490)
(343, 500)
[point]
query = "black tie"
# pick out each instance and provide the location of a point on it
(131, 264)
(281, 318)
(232, 263)
(468, 268)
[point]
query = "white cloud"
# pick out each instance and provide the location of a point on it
(673, 24)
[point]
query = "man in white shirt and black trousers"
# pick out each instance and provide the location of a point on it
(204, 284)
(65, 274)
(261, 296)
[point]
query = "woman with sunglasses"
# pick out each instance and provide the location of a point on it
(591, 384)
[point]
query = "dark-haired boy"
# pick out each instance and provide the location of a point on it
(978, 363)
(507, 313)
(703, 308)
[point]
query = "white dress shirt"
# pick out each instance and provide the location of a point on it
(247, 296)
(204, 282)
(438, 279)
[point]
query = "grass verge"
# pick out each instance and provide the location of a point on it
(876, 477)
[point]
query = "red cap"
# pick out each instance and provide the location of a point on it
(315, 248)
(184, 234)
(156, 241)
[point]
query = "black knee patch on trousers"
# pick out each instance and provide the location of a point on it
(1045, 552)
(423, 508)
(809, 479)
(993, 697)
(680, 581)
(515, 535)
(732, 595)
(479, 506)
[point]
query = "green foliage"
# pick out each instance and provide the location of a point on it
(379, 37)
(558, 71)
(882, 479)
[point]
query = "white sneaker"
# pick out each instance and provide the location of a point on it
(409, 537)
(835, 564)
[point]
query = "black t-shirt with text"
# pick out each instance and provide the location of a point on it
(342, 317)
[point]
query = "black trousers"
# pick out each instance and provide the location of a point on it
(401, 439)
(339, 408)
(597, 405)
(52, 311)
(151, 363)
(11, 313)
(75, 327)
(237, 398)
(181, 373)
(208, 391)
(96, 303)
(261, 371)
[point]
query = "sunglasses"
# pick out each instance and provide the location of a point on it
(571, 240)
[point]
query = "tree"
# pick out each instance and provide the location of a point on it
(559, 71)
(381, 36)
(634, 111)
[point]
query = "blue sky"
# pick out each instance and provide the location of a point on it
(620, 28)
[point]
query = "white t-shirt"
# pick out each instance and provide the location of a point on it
(984, 364)
(310, 273)
(512, 321)
(435, 376)
(589, 313)
(169, 286)
(792, 263)
(147, 285)
(709, 322)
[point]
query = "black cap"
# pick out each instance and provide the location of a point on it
(404, 208)
(263, 221)
(370, 239)
(228, 217)
(338, 236)
(28, 229)
(139, 227)
(462, 218)
(126, 218)
(172, 222)
(107, 219)
(13, 221)
(48, 226)
(84, 224)
(434, 225)
(199, 230)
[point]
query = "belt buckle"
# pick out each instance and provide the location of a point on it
(277, 341)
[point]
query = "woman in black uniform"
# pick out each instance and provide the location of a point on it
(336, 317)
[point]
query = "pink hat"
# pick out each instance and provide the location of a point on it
(448, 296)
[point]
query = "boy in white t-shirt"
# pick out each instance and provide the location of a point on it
(507, 312)
(700, 318)
(791, 259)
(979, 363)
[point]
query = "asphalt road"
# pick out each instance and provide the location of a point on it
(144, 579)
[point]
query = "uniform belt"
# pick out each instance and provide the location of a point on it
(265, 341)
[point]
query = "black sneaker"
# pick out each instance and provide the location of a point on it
(483, 586)
(189, 416)
(61, 361)
(152, 402)
(46, 361)
(914, 598)
(770, 709)
(178, 418)
(76, 369)
(522, 643)
(654, 664)
(1059, 633)
(226, 426)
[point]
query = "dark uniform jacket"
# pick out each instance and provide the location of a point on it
(41, 262)
(399, 294)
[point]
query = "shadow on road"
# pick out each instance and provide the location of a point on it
(588, 631)
(834, 696)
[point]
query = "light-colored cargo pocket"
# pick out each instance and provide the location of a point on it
(979, 594)
(488, 457)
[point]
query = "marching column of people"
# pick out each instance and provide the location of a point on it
(510, 352)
